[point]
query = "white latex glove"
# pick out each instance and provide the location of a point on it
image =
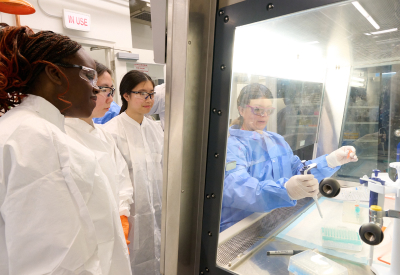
(341, 156)
(302, 186)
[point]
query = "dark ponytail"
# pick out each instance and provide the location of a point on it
(130, 81)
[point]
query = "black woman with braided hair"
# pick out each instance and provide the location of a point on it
(58, 214)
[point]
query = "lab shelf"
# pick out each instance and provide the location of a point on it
(305, 105)
(305, 116)
(360, 140)
(363, 107)
(301, 126)
(361, 122)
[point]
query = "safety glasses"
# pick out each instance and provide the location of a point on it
(109, 91)
(261, 111)
(143, 95)
(87, 74)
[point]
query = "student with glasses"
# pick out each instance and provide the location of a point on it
(140, 141)
(58, 212)
(261, 171)
(104, 147)
(107, 87)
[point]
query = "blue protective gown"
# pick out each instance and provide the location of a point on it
(113, 112)
(264, 163)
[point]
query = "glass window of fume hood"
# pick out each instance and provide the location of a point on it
(371, 118)
(333, 80)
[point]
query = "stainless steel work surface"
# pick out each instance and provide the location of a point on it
(261, 264)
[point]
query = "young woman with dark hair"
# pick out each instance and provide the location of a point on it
(262, 171)
(58, 213)
(140, 141)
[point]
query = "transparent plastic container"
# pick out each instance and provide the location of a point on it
(341, 238)
(353, 213)
(312, 263)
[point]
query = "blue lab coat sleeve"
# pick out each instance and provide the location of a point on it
(323, 170)
(242, 191)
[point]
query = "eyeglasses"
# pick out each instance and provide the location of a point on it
(144, 95)
(261, 111)
(107, 90)
(88, 74)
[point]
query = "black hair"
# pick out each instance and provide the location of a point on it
(130, 81)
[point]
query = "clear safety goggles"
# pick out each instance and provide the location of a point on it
(143, 95)
(86, 73)
(261, 111)
(109, 91)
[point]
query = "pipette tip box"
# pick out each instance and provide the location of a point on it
(341, 238)
(312, 263)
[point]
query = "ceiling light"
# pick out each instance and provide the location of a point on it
(365, 14)
(390, 30)
(367, 33)
(390, 73)
(358, 79)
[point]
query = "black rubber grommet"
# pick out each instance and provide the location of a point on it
(371, 234)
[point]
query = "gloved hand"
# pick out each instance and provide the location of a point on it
(125, 227)
(341, 156)
(302, 186)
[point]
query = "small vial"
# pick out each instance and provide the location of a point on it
(358, 210)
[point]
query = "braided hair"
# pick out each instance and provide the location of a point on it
(23, 56)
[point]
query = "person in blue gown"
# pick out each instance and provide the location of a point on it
(262, 173)
(113, 112)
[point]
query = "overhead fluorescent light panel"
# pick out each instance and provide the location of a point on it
(365, 14)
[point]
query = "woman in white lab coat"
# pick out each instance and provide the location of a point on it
(103, 145)
(140, 141)
(58, 212)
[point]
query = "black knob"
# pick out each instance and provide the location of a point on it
(371, 234)
(329, 188)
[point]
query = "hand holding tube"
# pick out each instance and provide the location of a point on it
(302, 186)
(343, 155)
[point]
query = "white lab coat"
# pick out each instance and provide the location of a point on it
(58, 213)
(142, 146)
(109, 157)
(159, 103)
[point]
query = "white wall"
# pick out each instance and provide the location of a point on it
(110, 20)
(142, 37)
(98, 55)
(121, 68)
(111, 27)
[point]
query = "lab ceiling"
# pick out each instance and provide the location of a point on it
(343, 26)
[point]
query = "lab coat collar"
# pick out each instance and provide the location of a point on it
(45, 109)
(132, 121)
(236, 131)
(79, 124)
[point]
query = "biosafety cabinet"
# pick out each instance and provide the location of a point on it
(333, 70)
